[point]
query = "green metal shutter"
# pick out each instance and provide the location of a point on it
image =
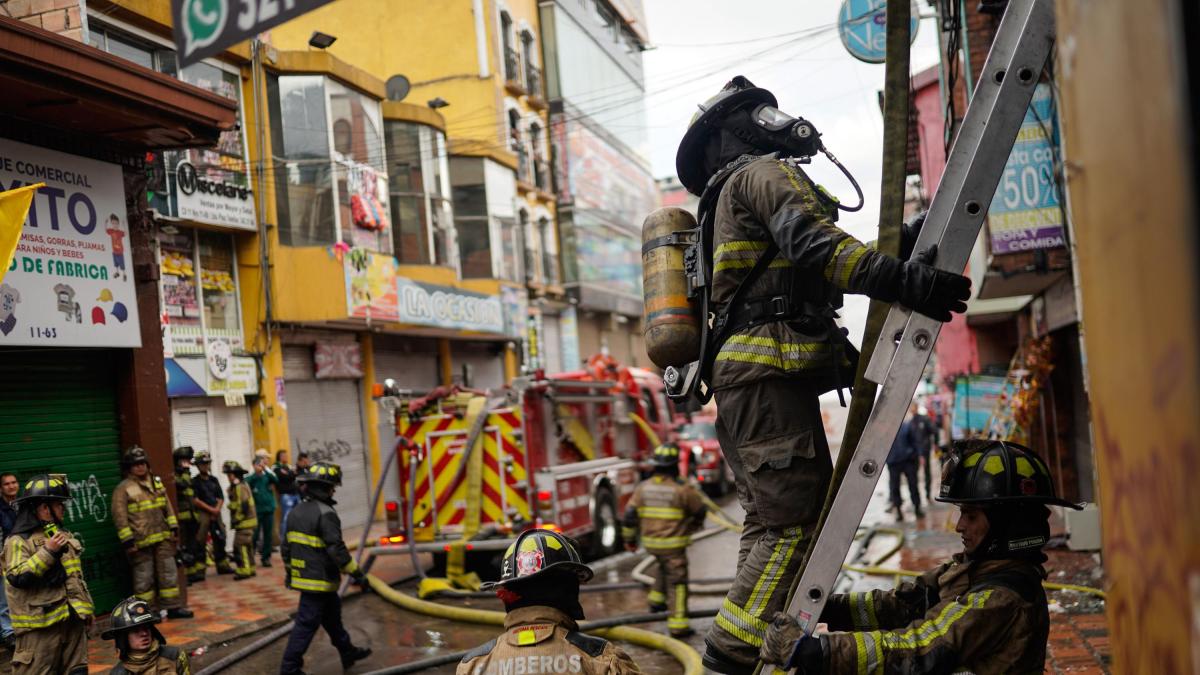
(58, 414)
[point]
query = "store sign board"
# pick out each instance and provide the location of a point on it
(446, 307)
(1026, 212)
(207, 27)
(191, 376)
(212, 197)
(71, 281)
(862, 26)
(371, 291)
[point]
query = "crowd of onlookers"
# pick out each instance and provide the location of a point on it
(272, 486)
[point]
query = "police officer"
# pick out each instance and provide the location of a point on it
(315, 557)
(984, 611)
(148, 530)
(663, 513)
(242, 518)
(779, 267)
(140, 647)
(185, 498)
(209, 499)
(539, 585)
(49, 599)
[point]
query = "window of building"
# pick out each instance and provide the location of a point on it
(328, 164)
(471, 217)
(512, 251)
(198, 285)
(531, 254)
(420, 211)
(512, 66)
(217, 284)
(549, 247)
(533, 75)
(541, 168)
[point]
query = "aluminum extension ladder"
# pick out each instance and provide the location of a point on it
(973, 170)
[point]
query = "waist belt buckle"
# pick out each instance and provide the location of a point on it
(778, 305)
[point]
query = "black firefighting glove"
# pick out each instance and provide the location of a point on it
(787, 645)
(909, 232)
(930, 291)
(360, 580)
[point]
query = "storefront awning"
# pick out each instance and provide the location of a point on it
(58, 83)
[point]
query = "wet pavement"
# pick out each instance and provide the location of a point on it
(1078, 640)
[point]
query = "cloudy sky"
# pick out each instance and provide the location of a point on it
(793, 49)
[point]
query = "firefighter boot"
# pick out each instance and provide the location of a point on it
(353, 655)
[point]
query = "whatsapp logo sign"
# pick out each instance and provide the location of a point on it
(202, 22)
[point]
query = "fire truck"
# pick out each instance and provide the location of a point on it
(562, 452)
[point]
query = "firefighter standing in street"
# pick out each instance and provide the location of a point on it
(662, 514)
(43, 576)
(209, 499)
(142, 649)
(188, 516)
(243, 520)
(984, 611)
(148, 530)
(539, 585)
(779, 267)
(315, 557)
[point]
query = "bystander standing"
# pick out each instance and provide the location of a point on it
(9, 487)
(261, 481)
(289, 495)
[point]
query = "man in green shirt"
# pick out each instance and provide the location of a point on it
(260, 483)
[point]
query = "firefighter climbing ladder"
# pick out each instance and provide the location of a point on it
(1014, 65)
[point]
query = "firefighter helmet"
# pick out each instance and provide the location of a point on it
(322, 472)
(46, 487)
(202, 457)
(231, 466)
(689, 160)
(130, 613)
(992, 472)
(134, 455)
(666, 456)
(184, 452)
(540, 553)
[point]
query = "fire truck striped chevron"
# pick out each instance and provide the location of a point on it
(442, 474)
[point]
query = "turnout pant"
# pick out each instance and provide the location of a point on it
(155, 576)
(773, 437)
(672, 578)
(317, 610)
(209, 525)
(55, 650)
(909, 471)
(191, 543)
(243, 552)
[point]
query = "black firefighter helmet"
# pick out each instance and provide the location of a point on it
(183, 452)
(134, 455)
(131, 613)
(233, 467)
(689, 160)
(666, 456)
(322, 472)
(46, 487)
(985, 473)
(537, 554)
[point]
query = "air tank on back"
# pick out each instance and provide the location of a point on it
(671, 321)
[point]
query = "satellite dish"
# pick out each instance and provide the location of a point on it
(397, 87)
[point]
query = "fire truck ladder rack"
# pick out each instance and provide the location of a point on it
(973, 169)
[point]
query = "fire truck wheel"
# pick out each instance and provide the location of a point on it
(606, 538)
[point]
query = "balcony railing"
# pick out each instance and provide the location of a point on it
(541, 174)
(533, 80)
(522, 165)
(512, 66)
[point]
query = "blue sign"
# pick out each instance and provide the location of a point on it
(862, 25)
(1026, 212)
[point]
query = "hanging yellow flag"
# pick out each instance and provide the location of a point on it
(14, 207)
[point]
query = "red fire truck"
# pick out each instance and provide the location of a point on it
(559, 452)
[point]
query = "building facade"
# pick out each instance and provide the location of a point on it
(596, 87)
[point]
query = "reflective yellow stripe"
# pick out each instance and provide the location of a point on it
(928, 631)
(666, 542)
(148, 596)
(82, 608)
(72, 565)
(738, 623)
(628, 533)
(305, 539)
(739, 246)
(147, 504)
(27, 621)
(737, 264)
(350, 567)
(168, 593)
(768, 351)
(248, 524)
(780, 557)
(314, 585)
(660, 512)
(152, 539)
(172, 522)
(125, 533)
(656, 597)
(297, 563)
(844, 260)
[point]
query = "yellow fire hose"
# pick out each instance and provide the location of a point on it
(683, 653)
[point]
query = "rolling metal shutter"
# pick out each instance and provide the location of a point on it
(324, 419)
(58, 412)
